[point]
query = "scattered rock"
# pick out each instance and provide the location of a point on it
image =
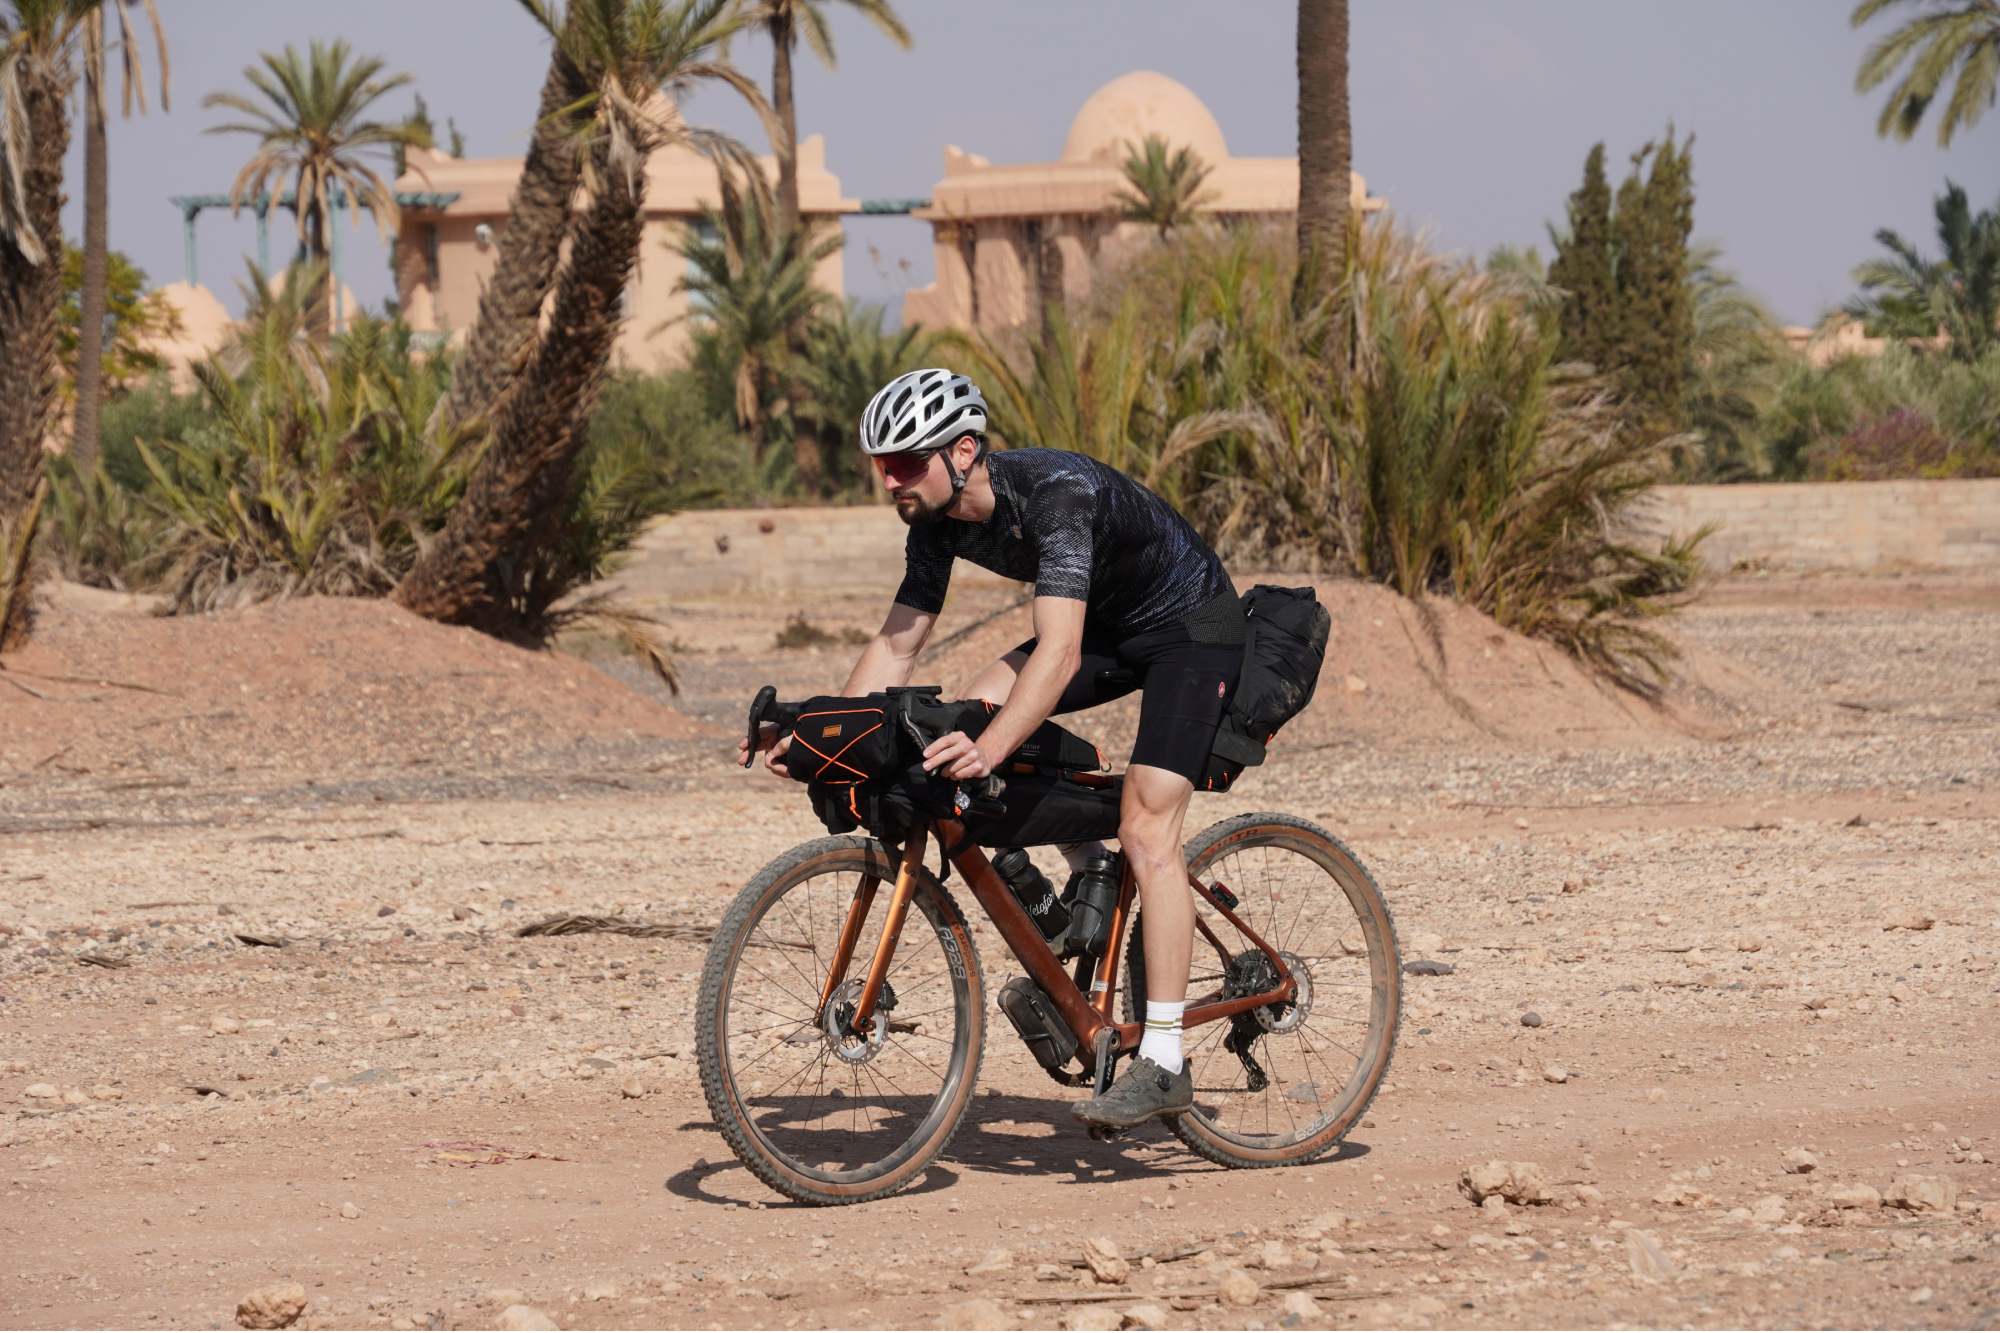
(381, 1018)
(223, 1025)
(1556, 1074)
(1853, 1196)
(104, 1092)
(272, 1307)
(1683, 1196)
(75, 1097)
(1656, 1094)
(41, 1092)
(1649, 1262)
(1427, 1307)
(1094, 1319)
(1749, 943)
(1329, 1222)
(1443, 1066)
(1589, 1195)
(1428, 967)
(349, 1211)
(1494, 1206)
(601, 1291)
(1147, 1317)
(1356, 685)
(631, 1087)
(1921, 1296)
(1237, 1288)
(1914, 921)
(996, 1261)
(1308, 1312)
(1922, 1194)
(1101, 1256)
(1516, 1182)
(504, 1296)
(1769, 1210)
(1799, 1162)
(978, 1314)
(522, 1317)
(385, 910)
(1531, 1019)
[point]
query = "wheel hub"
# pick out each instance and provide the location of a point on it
(837, 1024)
(1251, 973)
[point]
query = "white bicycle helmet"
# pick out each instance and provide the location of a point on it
(922, 411)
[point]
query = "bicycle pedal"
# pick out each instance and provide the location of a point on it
(1105, 1133)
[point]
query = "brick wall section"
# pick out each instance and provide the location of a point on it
(1840, 525)
(1818, 525)
(773, 550)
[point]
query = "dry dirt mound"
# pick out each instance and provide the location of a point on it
(307, 686)
(1437, 674)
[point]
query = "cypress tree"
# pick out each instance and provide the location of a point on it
(1591, 327)
(1654, 221)
(1623, 270)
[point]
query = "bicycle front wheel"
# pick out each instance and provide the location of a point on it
(818, 1113)
(1282, 1084)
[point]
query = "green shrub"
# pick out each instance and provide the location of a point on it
(1416, 429)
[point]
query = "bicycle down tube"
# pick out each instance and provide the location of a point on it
(1084, 1015)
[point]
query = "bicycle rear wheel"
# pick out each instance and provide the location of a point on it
(1283, 1084)
(819, 1116)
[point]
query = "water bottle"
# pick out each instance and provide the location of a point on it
(1037, 895)
(1096, 899)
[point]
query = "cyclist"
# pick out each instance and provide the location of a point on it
(1127, 597)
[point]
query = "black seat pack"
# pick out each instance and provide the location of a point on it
(1282, 656)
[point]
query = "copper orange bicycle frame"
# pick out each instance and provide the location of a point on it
(1085, 1016)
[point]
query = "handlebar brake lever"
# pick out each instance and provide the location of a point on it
(762, 709)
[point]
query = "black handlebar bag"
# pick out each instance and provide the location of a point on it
(842, 741)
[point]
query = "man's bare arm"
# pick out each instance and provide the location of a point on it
(1049, 669)
(891, 655)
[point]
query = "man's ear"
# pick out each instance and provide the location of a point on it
(965, 461)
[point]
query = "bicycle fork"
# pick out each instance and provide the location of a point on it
(892, 929)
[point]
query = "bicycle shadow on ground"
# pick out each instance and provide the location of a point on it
(990, 1142)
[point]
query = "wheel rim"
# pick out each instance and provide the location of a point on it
(849, 1115)
(1318, 1056)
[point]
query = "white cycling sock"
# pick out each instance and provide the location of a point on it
(1161, 1042)
(1078, 854)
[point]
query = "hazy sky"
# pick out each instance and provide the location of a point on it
(1471, 117)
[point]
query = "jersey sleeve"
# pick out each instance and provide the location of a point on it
(926, 569)
(1061, 519)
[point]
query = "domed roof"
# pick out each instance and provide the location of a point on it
(1132, 106)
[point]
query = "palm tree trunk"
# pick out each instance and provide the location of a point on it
(96, 274)
(787, 147)
(503, 337)
(1326, 141)
(476, 571)
(30, 302)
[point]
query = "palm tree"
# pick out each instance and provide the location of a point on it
(491, 567)
(96, 190)
(37, 72)
(313, 131)
(1735, 363)
(1945, 35)
(752, 286)
(782, 20)
(502, 337)
(1904, 295)
(1326, 139)
(1166, 189)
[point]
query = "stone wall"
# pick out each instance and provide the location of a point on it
(1840, 525)
(1831, 525)
(710, 551)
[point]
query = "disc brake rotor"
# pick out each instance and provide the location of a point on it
(847, 1045)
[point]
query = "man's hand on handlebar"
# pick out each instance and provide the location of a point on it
(767, 739)
(958, 757)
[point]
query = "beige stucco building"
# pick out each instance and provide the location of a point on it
(1009, 237)
(444, 254)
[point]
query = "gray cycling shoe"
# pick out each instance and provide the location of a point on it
(1143, 1091)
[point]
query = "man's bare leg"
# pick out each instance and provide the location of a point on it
(1149, 831)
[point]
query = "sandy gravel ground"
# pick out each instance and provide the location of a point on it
(1758, 930)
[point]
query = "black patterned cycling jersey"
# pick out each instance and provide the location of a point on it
(1074, 528)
